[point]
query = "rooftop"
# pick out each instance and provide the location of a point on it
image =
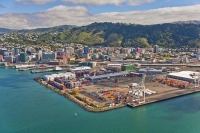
(109, 75)
(185, 74)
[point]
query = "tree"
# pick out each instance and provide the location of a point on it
(75, 91)
(77, 57)
(71, 62)
(95, 51)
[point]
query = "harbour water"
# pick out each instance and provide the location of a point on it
(28, 107)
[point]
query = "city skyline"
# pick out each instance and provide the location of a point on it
(30, 14)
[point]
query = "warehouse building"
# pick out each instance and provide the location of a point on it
(67, 75)
(150, 71)
(111, 75)
(188, 76)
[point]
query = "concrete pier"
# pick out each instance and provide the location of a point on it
(165, 96)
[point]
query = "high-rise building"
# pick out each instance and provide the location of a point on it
(22, 57)
(69, 51)
(155, 49)
(86, 49)
(16, 51)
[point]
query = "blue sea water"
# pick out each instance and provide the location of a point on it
(28, 107)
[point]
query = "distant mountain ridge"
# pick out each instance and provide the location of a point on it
(62, 28)
(4, 30)
(41, 30)
(188, 22)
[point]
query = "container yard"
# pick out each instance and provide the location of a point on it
(116, 89)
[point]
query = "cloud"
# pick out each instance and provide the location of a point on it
(139, 2)
(38, 2)
(113, 2)
(15, 21)
(2, 6)
(79, 15)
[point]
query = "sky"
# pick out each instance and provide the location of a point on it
(31, 14)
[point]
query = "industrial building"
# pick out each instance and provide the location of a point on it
(108, 75)
(150, 71)
(67, 75)
(188, 76)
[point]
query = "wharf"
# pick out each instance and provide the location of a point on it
(78, 102)
(165, 96)
(47, 70)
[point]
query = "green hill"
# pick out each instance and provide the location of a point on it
(127, 35)
(109, 34)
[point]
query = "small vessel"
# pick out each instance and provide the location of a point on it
(75, 114)
(57, 68)
(23, 69)
(130, 105)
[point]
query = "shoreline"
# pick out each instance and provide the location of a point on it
(73, 98)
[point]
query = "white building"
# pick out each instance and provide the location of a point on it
(67, 75)
(188, 76)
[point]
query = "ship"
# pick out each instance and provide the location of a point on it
(80, 68)
(130, 105)
(57, 68)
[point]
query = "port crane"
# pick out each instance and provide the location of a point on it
(140, 90)
(196, 77)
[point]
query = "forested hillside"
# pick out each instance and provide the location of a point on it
(126, 35)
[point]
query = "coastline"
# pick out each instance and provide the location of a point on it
(78, 102)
